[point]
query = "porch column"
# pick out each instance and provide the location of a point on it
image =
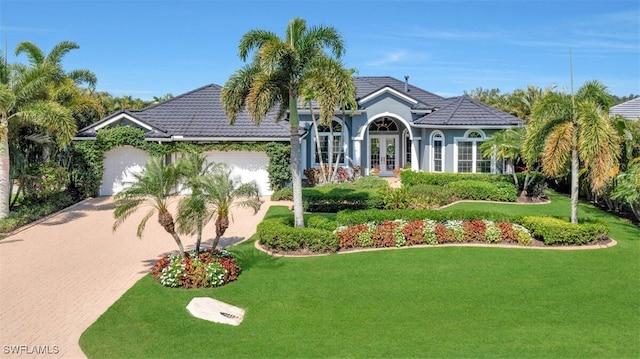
(415, 164)
(357, 151)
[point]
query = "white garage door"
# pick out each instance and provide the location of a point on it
(248, 165)
(119, 164)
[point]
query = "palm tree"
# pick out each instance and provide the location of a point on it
(153, 188)
(278, 72)
(192, 208)
(574, 129)
(214, 192)
(22, 102)
(330, 85)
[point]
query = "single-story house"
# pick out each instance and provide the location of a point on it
(395, 125)
(629, 110)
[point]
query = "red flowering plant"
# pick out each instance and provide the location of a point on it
(384, 235)
(414, 233)
(474, 231)
(507, 233)
(444, 234)
(209, 268)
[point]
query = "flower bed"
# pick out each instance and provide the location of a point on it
(401, 233)
(210, 268)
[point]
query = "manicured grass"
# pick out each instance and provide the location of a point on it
(415, 302)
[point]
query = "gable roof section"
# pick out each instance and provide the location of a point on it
(465, 111)
(367, 86)
(197, 114)
(629, 110)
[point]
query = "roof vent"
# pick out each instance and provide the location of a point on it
(406, 83)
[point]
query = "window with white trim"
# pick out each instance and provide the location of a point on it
(437, 142)
(330, 143)
(469, 157)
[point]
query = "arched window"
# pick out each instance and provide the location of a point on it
(469, 158)
(383, 124)
(437, 153)
(330, 142)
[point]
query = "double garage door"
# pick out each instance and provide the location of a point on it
(121, 162)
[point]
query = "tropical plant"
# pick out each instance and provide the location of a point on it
(574, 129)
(279, 71)
(154, 188)
(22, 102)
(221, 191)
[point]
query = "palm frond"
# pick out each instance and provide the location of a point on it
(557, 149)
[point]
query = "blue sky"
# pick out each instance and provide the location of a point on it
(151, 48)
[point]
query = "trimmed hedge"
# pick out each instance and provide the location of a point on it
(480, 190)
(278, 234)
(331, 198)
(554, 231)
(410, 178)
(349, 217)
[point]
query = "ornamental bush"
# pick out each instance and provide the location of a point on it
(278, 234)
(410, 178)
(554, 231)
(479, 190)
(399, 233)
(209, 268)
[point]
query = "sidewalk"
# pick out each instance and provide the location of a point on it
(59, 276)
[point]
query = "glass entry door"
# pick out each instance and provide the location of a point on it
(383, 154)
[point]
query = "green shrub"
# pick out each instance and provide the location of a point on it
(283, 194)
(34, 209)
(351, 217)
(334, 198)
(554, 231)
(44, 180)
(479, 190)
(278, 234)
(410, 178)
(320, 222)
(424, 196)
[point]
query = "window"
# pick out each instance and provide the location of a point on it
(469, 157)
(437, 141)
(330, 143)
(407, 148)
(384, 124)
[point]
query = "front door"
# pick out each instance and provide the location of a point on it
(383, 154)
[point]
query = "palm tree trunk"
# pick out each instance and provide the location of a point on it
(166, 221)
(198, 236)
(5, 176)
(575, 190)
(222, 223)
(296, 178)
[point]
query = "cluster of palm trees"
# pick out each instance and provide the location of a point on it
(203, 191)
(572, 135)
(41, 108)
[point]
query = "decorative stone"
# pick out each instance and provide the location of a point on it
(215, 311)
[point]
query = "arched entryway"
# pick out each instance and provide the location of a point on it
(384, 148)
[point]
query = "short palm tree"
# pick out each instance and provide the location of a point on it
(217, 191)
(274, 79)
(577, 130)
(154, 188)
(193, 213)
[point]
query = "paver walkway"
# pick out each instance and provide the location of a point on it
(59, 276)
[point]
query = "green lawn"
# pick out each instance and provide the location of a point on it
(414, 302)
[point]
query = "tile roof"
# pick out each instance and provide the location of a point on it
(366, 85)
(629, 110)
(199, 113)
(465, 111)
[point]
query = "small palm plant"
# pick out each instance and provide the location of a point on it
(219, 192)
(193, 213)
(154, 188)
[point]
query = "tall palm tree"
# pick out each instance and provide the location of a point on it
(279, 70)
(330, 85)
(576, 130)
(154, 188)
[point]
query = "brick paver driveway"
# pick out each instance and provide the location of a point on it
(59, 276)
